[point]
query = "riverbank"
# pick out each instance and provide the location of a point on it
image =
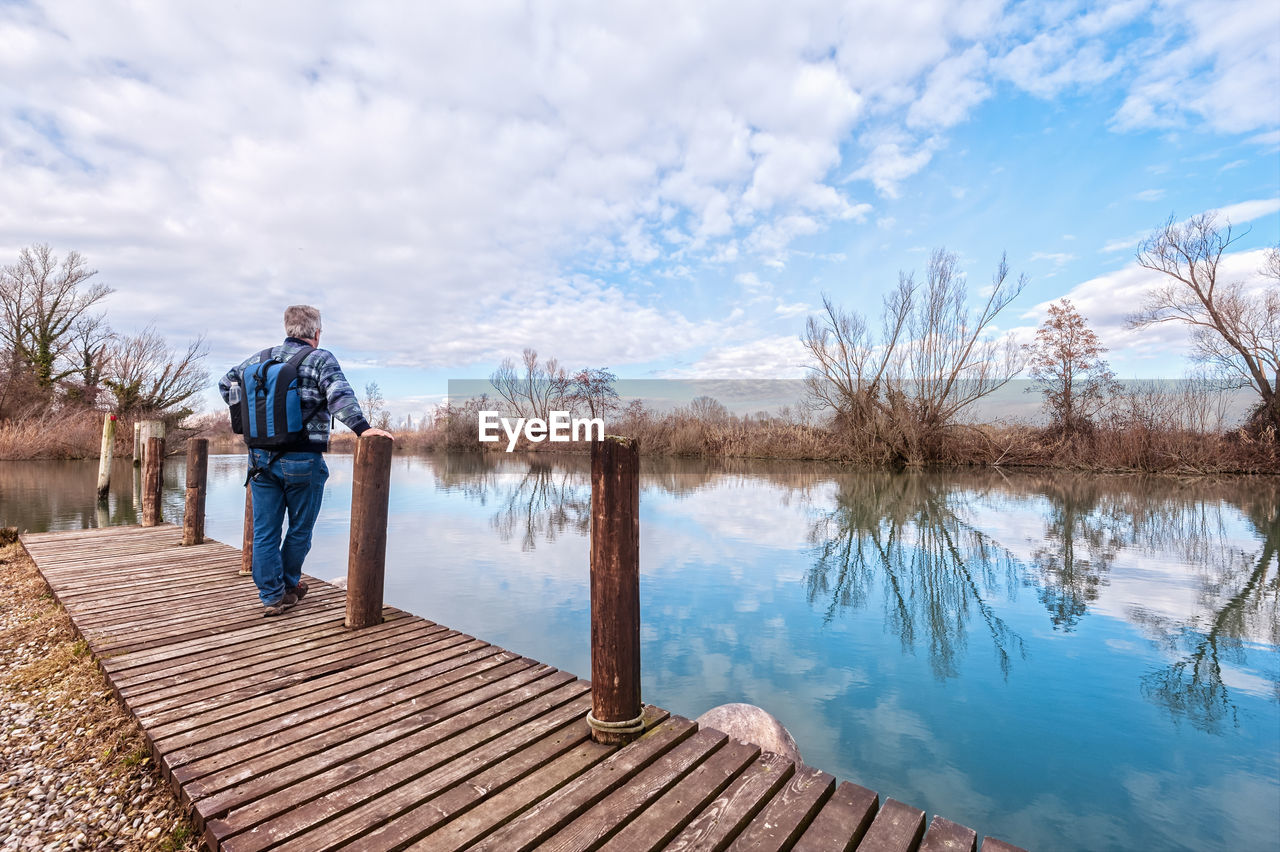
(1148, 445)
(75, 772)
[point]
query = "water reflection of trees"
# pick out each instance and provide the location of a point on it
(1092, 520)
(1084, 531)
(1239, 595)
(923, 542)
(45, 495)
(543, 504)
(902, 533)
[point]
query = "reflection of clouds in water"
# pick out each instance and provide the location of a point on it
(757, 514)
(1260, 685)
(1243, 806)
(1073, 828)
(943, 783)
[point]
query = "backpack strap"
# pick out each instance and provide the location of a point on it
(298, 356)
(296, 362)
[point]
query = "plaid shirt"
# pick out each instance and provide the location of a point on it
(320, 383)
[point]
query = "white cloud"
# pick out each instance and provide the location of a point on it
(1211, 62)
(454, 182)
(1236, 214)
(952, 89)
(793, 309)
(889, 164)
(1107, 301)
(1247, 211)
(1149, 195)
(780, 357)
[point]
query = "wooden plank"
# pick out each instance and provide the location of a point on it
(214, 710)
(594, 826)
(300, 636)
(662, 820)
(718, 823)
(557, 810)
(218, 795)
(495, 808)
(507, 774)
(203, 627)
(383, 797)
(788, 813)
(225, 687)
(947, 836)
(896, 828)
(842, 822)
(336, 792)
(301, 619)
(990, 844)
(428, 705)
(271, 727)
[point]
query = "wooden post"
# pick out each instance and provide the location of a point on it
(246, 546)
(105, 454)
(144, 431)
(152, 482)
(616, 713)
(366, 558)
(197, 473)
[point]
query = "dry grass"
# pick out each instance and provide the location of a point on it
(73, 435)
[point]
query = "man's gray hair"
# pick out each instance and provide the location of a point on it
(301, 321)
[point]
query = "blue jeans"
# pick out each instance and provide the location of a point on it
(294, 483)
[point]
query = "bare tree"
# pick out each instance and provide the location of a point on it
(592, 387)
(146, 376)
(373, 404)
(89, 341)
(896, 392)
(535, 390)
(1068, 369)
(40, 303)
(1233, 330)
(708, 409)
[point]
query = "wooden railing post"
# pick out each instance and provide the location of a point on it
(616, 712)
(152, 481)
(370, 489)
(197, 474)
(246, 547)
(105, 455)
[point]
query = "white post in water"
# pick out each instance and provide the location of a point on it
(137, 443)
(104, 456)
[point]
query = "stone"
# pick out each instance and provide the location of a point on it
(751, 724)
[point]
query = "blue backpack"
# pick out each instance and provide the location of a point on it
(271, 412)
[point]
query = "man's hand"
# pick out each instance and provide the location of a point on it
(368, 432)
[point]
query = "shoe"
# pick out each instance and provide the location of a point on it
(299, 591)
(289, 601)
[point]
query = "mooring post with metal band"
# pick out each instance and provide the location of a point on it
(197, 476)
(367, 555)
(152, 481)
(617, 715)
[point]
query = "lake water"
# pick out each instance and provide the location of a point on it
(1065, 661)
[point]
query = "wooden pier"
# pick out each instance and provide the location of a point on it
(298, 733)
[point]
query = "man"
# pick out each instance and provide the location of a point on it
(291, 478)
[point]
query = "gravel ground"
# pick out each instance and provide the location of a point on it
(75, 772)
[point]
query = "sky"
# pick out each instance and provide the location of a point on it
(663, 189)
